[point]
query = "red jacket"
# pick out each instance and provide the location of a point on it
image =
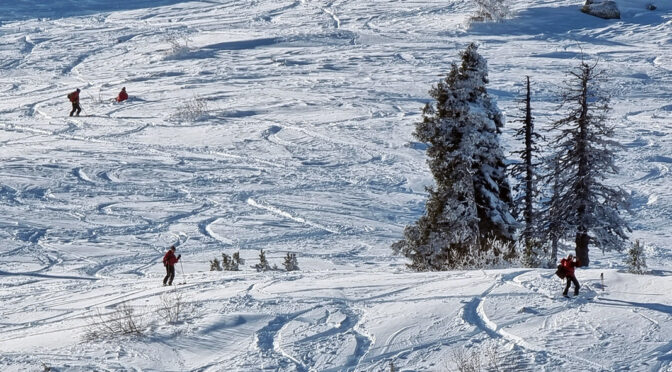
(74, 97)
(569, 265)
(169, 258)
(122, 96)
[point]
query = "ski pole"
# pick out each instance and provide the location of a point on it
(184, 279)
(602, 277)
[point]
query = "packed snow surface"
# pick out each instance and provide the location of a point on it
(287, 126)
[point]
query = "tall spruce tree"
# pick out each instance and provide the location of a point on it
(471, 204)
(526, 189)
(585, 156)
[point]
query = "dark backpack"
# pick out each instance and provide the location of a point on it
(71, 97)
(561, 272)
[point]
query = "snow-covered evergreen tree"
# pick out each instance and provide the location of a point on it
(526, 190)
(226, 262)
(263, 263)
(236, 261)
(471, 203)
(636, 259)
(291, 264)
(585, 156)
(215, 265)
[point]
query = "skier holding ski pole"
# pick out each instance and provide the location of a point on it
(169, 261)
(74, 99)
(568, 264)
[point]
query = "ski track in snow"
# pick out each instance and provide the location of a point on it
(306, 147)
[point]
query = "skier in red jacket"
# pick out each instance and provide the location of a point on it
(169, 261)
(569, 264)
(122, 95)
(74, 98)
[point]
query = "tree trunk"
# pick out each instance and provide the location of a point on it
(554, 251)
(529, 172)
(582, 240)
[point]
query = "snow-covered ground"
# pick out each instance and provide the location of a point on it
(305, 147)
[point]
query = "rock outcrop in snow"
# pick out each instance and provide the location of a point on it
(602, 9)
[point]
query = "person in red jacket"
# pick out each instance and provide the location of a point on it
(169, 261)
(569, 264)
(122, 95)
(74, 98)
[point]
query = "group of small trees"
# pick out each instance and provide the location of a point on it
(228, 263)
(233, 263)
(469, 213)
(290, 263)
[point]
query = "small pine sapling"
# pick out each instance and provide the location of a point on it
(215, 265)
(263, 263)
(226, 262)
(237, 261)
(636, 259)
(393, 368)
(290, 263)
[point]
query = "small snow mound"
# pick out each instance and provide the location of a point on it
(602, 9)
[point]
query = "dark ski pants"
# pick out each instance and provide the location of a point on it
(75, 107)
(572, 279)
(170, 275)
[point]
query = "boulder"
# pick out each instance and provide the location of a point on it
(603, 9)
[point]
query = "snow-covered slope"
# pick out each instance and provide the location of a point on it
(306, 147)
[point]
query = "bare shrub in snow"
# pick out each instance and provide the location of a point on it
(488, 358)
(171, 306)
(636, 259)
(491, 10)
(121, 321)
(492, 253)
(190, 110)
(179, 46)
(467, 361)
(99, 99)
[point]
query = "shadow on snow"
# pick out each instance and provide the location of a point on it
(54, 9)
